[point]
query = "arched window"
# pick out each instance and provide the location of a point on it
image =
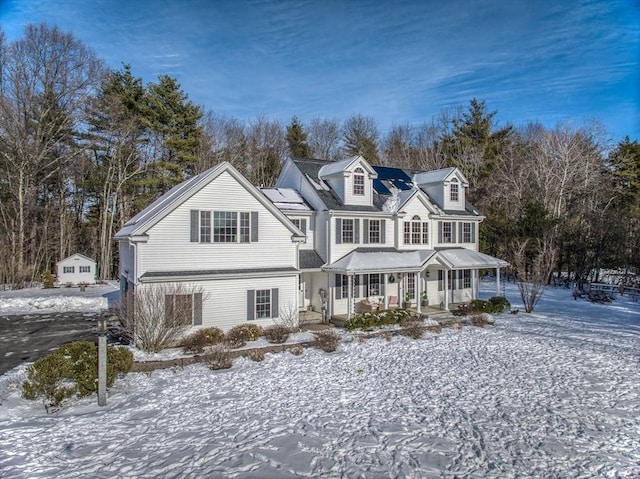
(358, 181)
(416, 231)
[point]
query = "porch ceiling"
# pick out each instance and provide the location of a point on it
(381, 261)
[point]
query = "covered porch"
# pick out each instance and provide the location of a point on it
(420, 280)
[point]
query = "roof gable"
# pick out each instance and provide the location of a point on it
(440, 176)
(77, 255)
(165, 204)
(346, 166)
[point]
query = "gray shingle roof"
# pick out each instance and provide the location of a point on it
(309, 259)
(311, 167)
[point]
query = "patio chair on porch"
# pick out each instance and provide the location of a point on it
(368, 305)
(393, 302)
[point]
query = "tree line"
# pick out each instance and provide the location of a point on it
(84, 147)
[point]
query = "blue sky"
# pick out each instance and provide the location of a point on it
(399, 62)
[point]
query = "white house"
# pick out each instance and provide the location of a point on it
(383, 235)
(220, 233)
(76, 269)
(333, 237)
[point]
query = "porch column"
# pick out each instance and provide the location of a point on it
(498, 281)
(384, 297)
(418, 283)
(349, 293)
(446, 289)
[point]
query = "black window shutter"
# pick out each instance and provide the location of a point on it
(338, 231)
(356, 231)
(254, 226)
(453, 231)
(473, 232)
(275, 309)
(365, 231)
(338, 286)
(197, 309)
(303, 225)
(195, 227)
(168, 306)
(439, 231)
(251, 304)
(365, 278)
(383, 232)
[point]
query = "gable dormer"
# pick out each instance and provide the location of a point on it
(351, 179)
(446, 186)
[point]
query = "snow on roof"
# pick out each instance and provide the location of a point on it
(387, 259)
(286, 198)
(435, 176)
(335, 167)
(467, 258)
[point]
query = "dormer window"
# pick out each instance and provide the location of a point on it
(358, 182)
(454, 190)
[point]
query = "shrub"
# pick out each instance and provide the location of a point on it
(47, 280)
(239, 335)
(367, 321)
(434, 327)
(256, 355)
(499, 304)
(196, 342)
(277, 333)
(479, 306)
(413, 329)
(72, 370)
(296, 349)
(327, 340)
(218, 357)
(481, 320)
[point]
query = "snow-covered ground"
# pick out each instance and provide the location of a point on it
(552, 394)
(39, 300)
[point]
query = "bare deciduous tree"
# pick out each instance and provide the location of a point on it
(323, 137)
(532, 263)
(157, 315)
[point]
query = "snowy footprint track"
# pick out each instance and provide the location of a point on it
(540, 395)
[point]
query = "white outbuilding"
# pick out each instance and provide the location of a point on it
(76, 269)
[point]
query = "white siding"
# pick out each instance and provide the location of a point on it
(412, 208)
(310, 229)
(127, 267)
(364, 200)
(75, 261)
(169, 247)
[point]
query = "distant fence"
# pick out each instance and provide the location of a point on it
(632, 293)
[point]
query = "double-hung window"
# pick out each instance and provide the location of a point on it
(347, 230)
(454, 190)
(85, 269)
(68, 269)
(183, 308)
(262, 304)
(225, 226)
(467, 237)
(358, 182)
(447, 232)
(374, 231)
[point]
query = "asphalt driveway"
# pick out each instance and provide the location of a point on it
(27, 337)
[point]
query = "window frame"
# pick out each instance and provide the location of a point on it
(447, 236)
(84, 269)
(466, 235)
(345, 232)
(68, 269)
(454, 190)
(374, 233)
(358, 182)
(416, 231)
(262, 301)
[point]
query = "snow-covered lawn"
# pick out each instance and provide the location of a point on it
(553, 394)
(39, 300)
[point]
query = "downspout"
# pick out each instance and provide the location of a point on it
(331, 291)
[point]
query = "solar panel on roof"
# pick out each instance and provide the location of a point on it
(380, 188)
